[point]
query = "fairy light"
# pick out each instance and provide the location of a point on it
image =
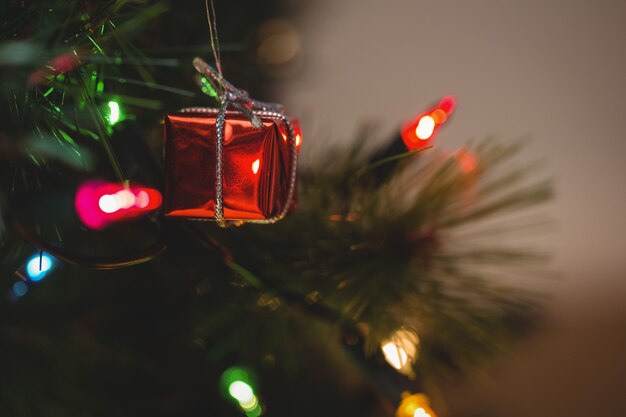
(400, 350)
(395, 355)
(142, 199)
(100, 203)
(236, 382)
(420, 412)
(38, 266)
(439, 116)
(241, 391)
(19, 289)
(414, 405)
(244, 394)
(114, 112)
(108, 203)
(425, 127)
(419, 132)
(126, 198)
(467, 160)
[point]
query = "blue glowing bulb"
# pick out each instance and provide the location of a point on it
(19, 289)
(38, 266)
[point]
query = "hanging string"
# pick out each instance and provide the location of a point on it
(215, 41)
(230, 96)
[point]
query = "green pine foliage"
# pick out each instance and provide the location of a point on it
(143, 317)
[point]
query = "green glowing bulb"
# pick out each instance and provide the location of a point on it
(114, 112)
(250, 405)
(256, 412)
(238, 384)
(242, 392)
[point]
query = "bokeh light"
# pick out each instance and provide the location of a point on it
(400, 350)
(419, 132)
(420, 412)
(38, 266)
(108, 203)
(394, 355)
(447, 104)
(241, 391)
(142, 199)
(237, 383)
(99, 204)
(414, 405)
(467, 160)
(425, 127)
(114, 112)
(19, 289)
(279, 49)
(439, 116)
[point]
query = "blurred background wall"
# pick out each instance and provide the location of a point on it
(550, 70)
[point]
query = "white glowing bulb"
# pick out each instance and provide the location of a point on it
(394, 355)
(400, 350)
(242, 392)
(425, 127)
(109, 203)
(125, 198)
(420, 412)
(142, 199)
(298, 140)
(255, 166)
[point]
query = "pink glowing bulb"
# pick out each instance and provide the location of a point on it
(99, 203)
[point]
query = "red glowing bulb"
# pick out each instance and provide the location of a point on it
(467, 161)
(419, 132)
(99, 204)
(59, 65)
(447, 104)
(439, 116)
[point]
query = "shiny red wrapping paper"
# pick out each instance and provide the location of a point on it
(256, 166)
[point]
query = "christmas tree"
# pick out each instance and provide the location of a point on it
(386, 275)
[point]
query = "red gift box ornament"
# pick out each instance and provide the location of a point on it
(232, 163)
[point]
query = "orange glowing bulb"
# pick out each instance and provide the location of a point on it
(439, 116)
(420, 412)
(255, 166)
(415, 405)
